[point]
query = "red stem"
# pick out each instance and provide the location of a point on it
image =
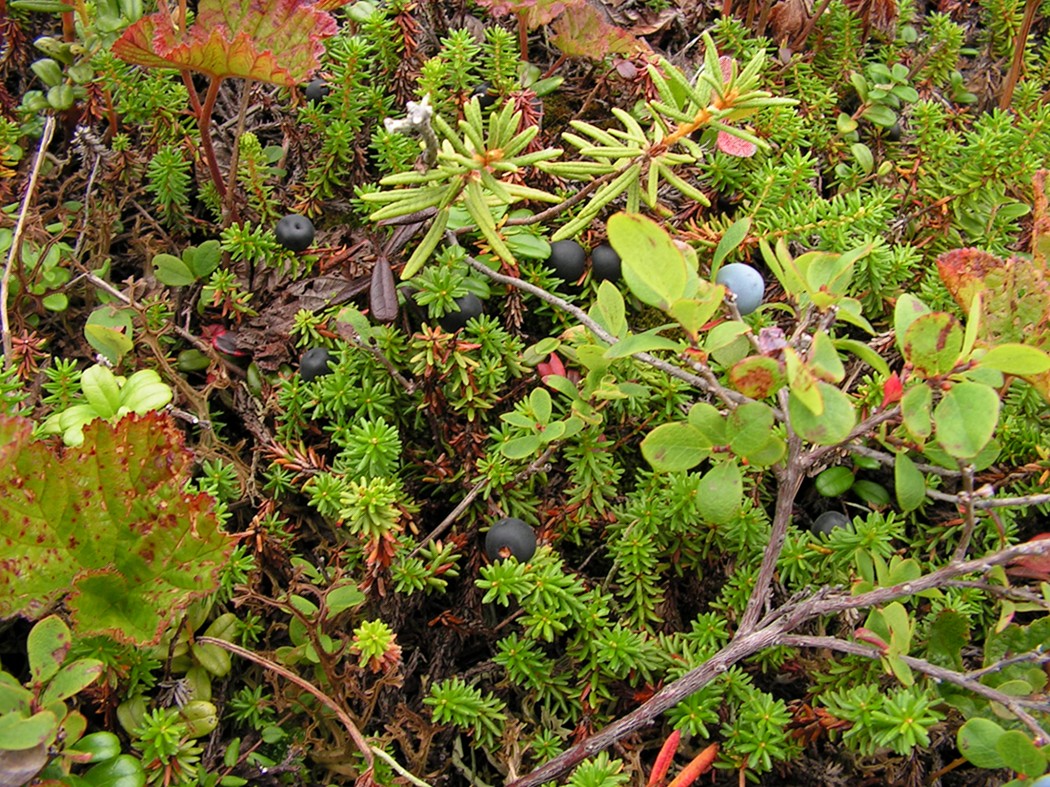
(204, 125)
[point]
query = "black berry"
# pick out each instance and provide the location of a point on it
(316, 90)
(828, 521)
(605, 263)
(295, 232)
(508, 537)
(567, 260)
(483, 93)
(316, 362)
(467, 307)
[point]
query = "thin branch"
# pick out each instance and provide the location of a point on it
(14, 254)
(1014, 704)
(707, 383)
(969, 519)
(770, 631)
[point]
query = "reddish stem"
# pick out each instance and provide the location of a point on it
(204, 125)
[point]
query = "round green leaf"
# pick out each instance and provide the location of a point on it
(101, 390)
(676, 446)
(916, 407)
(874, 494)
(749, 427)
(172, 271)
(835, 481)
(965, 419)
(977, 741)
(18, 732)
(832, 426)
(933, 343)
(720, 493)
(1020, 754)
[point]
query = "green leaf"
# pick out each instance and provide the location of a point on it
(977, 740)
(143, 392)
(947, 635)
(521, 447)
(835, 481)
(710, 422)
(880, 115)
(100, 745)
(965, 419)
(749, 427)
(343, 597)
(653, 267)
(18, 732)
(824, 359)
(865, 353)
(1016, 359)
(675, 446)
(203, 259)
(47, 645)
(725, 333)
(172, 271)
(729, 242)
(609, 310)
(1020, 754)
(71, 680)
(110, 520)
(122, 771)
(917, 409)
(720, 493)
(830, 427)
(641, 343)
(101, 390)
(905, 312)
(933, 343)
(694, 313)
(908, 483)
(109, 331)
(274, 41)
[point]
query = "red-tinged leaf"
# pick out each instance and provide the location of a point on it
(699, 765)
(1032, 566)
(664, 759)
(107, 520)
(1015, 299)
(892, 391)
(735, 146)
(275, 41)
(533, 12)
(584, 30)
(867, 635)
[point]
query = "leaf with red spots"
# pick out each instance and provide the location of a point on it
(275, 41)
(106, 526)
(584, 30)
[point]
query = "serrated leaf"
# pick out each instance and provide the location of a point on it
(274, 41)
(110, 520)
(1014, 297)
(965, 419)
(583, 30)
